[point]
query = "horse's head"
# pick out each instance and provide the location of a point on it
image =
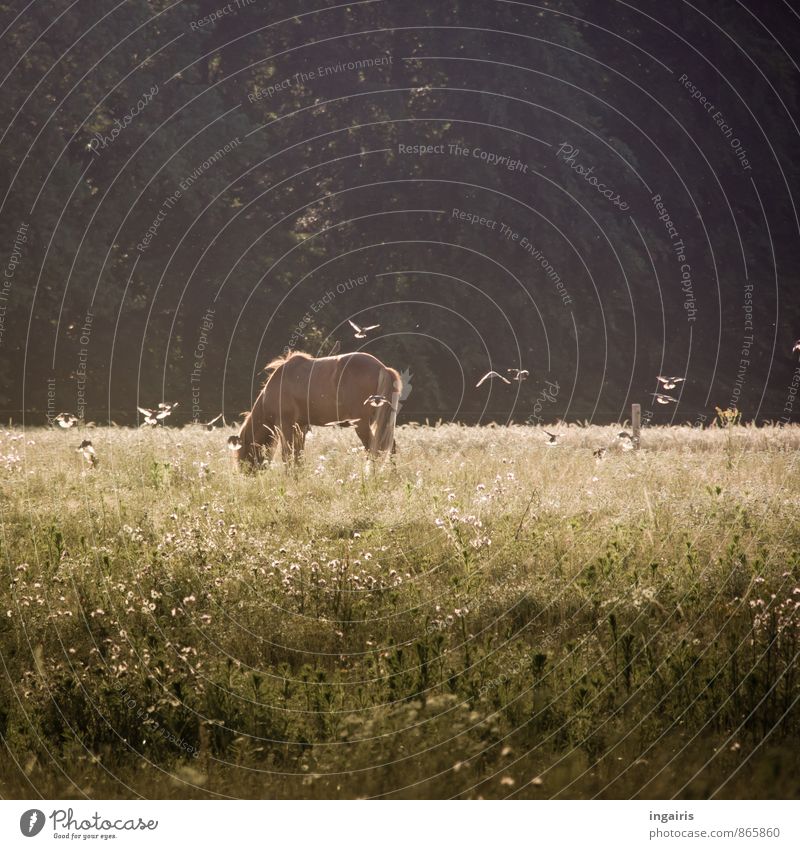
(255, 440)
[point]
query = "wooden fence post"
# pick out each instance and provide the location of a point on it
(636, 423)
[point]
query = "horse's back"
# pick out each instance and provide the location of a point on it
(325, 389)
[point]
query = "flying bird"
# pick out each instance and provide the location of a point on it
(796, 346)
(343, 423)
(66, 420)
(154, 417)
(552, 438)
(489, 375)
(210, 425)
(361, 332)
(670, 382)
(234, 442)
(86, 450)
(519, 374)
(377, 401)
(664, 399)
(151, 417)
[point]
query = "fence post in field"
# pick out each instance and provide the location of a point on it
(636, 424)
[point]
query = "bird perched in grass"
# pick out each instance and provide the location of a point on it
(86, 450)
(490, 375)
(66, 420)
(518, 374)
(552, 439)
(670, 382)
(361, 332)
(625, 440)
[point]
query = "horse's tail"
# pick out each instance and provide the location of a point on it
(390, 385)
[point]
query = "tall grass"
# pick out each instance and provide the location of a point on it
(487, 616)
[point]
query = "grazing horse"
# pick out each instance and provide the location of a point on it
(302, 391)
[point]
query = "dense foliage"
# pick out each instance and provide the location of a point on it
(162, 165)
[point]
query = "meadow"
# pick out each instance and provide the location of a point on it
(485, 617)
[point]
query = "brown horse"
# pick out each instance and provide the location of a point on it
(302, 391)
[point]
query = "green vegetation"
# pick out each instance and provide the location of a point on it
(488, 617)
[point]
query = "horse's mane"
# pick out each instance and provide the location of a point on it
(272, 365)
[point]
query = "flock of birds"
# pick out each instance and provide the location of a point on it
(158, 415)
(520, 374)
(625, 439)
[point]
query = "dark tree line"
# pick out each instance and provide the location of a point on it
(192, 193)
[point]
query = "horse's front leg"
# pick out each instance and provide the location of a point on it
(298, 440)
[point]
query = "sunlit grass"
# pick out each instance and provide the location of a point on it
(484, 612)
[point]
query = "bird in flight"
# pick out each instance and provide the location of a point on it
(343, 423)
(377, 401)
(670, 382)
(86, 450)
(489, 375)
(154, 417)
(66, 420)
(361, 332)
(234, 442)
(518, 374)
(210, 425)
(796, 346)
(552, 438)
(664, 399)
